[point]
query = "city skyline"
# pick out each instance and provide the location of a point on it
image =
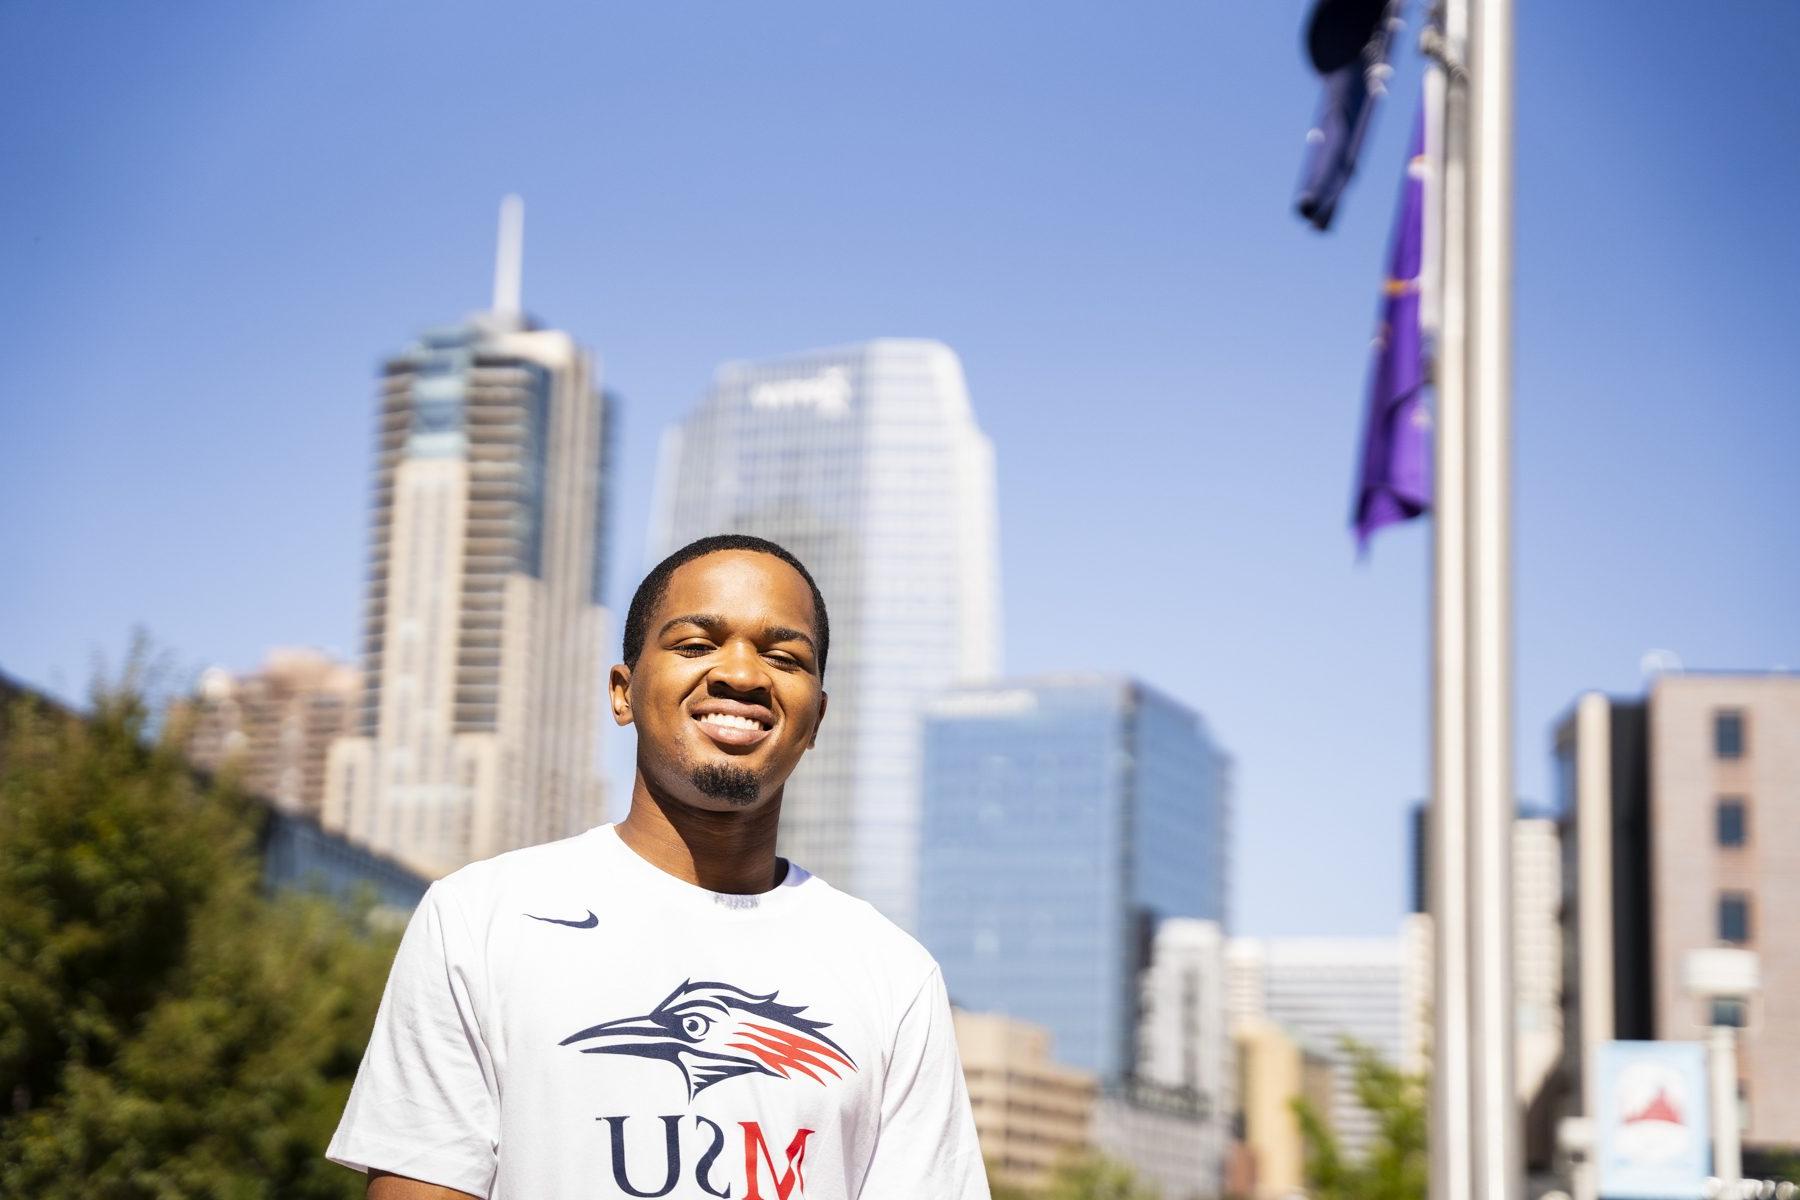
(1145, 318)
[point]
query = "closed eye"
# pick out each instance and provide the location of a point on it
(693, 649)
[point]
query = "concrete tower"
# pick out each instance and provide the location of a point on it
(483, 631)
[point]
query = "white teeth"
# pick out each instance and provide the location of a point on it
(731, 721)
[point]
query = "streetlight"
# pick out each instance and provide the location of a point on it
(1724, 980)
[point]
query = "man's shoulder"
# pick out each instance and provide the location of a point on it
(858, 926)
(481, 883)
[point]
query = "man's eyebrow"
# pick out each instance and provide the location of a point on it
(714, 624)
(706, 621)
(781, 633)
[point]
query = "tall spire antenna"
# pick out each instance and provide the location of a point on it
(509, 258)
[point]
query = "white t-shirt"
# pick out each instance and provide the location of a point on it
(569, 1021)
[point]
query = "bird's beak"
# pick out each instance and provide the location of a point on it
(619, 1037)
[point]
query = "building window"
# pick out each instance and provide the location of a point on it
(1728, 733)
(1734, 918)
(1734, 821)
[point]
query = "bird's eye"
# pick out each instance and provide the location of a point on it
(695, 1025)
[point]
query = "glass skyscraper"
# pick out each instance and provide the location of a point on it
(1064, 819)
(866, 462)
(482, 626)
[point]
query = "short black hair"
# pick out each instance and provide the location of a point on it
(655, 586)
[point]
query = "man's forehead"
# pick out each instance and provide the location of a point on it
(738, 582)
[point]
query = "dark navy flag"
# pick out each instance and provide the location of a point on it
(1348, 44)
(1394, 482)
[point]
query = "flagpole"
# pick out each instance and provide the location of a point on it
(1497, 1166)
(1452, 1156)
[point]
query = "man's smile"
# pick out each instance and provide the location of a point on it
(732, 723)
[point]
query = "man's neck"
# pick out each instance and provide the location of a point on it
(729, 852)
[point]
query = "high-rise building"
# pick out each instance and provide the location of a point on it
(1182, 1039)
(1165, 1142)
(866, 462)
(274, 726)
(1031, 1112)
(1323, 991)
(482, 631)
(1418, 989)
(1537, 951)
(1064, 820)
(1681, 826)
(1171, 1121)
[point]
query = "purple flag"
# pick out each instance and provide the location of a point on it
(1394, 482)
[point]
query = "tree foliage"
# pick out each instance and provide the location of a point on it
(166, 1029)
(1086, 1177)
(1394, 1166)
(1095, 1177)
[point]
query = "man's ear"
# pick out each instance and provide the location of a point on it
(820, 720)
(618, 691)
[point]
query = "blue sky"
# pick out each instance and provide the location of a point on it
(217, 218)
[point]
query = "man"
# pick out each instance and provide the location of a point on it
(664, 1007)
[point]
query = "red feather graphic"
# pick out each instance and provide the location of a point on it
(783, 1049)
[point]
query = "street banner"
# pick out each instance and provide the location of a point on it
(1654, 1132)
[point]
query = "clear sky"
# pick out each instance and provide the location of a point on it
(217, 218)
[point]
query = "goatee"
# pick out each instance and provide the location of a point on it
(735, 785)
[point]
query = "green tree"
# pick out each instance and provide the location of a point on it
(1096, 1177)
(1085, 1177)
(998, 1190)
(1394, 1167)
(166, 1029)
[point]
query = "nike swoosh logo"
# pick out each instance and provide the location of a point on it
(591, 921)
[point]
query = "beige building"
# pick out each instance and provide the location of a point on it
(1274, 1070)
(1725, 868)
(1030, 1113)
(273, 727)
(1681, 826)
(482, 634)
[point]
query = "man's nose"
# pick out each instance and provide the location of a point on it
(740, 667)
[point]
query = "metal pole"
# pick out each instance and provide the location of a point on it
(1446, 132)
(1728, 1160)
(1496, 1119)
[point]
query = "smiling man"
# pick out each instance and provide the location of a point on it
(664, 1007)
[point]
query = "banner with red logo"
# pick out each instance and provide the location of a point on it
(1655, 1140)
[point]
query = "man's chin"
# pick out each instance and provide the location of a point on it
(737, 786)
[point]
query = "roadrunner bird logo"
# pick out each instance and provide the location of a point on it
(714, 1031)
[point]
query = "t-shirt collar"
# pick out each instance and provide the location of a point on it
(640, 873)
